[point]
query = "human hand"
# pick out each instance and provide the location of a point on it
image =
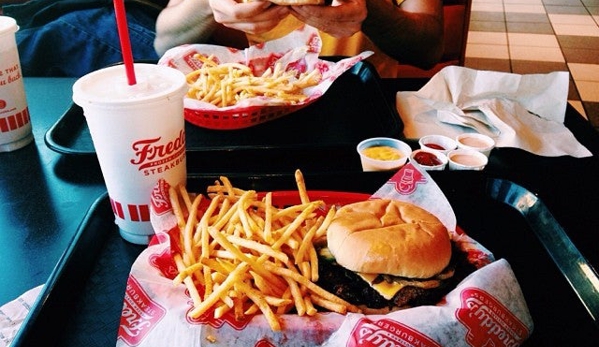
(254, 17)
(342, 19)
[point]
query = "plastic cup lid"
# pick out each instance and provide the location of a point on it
(8, 25)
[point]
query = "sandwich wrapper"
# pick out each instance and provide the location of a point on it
(486, 309)
(519, 111)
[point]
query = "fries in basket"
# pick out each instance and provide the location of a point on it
(245, 255)
(226, 84)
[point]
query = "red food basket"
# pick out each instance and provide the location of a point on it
(239, 118)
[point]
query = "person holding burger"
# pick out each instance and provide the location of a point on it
(406, 31)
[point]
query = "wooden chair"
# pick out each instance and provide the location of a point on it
(457, 21)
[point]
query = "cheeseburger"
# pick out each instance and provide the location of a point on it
(387, 254)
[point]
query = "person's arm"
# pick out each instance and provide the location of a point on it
(183, 21)
(411, 33)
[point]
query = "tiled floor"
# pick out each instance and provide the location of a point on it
(540, 36)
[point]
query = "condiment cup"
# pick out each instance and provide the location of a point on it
(429, 142)
(466, 159)
(372, 164)
(475, 141)
(423, 157)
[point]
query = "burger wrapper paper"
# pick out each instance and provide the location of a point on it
(299, 51)
(487, 308)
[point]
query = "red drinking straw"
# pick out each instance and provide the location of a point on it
(121, 23)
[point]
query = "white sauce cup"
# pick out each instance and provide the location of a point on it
(477, 142)
(466, 159)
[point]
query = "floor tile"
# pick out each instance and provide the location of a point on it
(571, 19)
(578, 106)
(524, 8)
(592, 112)
(588, 90)
(563, 2)
(531, 66)
(574, 29)
(477, 50)
(536, 28)
(540, 36)
(566, 9)
(486, 7)
(487, 26)
(526, 17)
(491, 38)
(524, 2)
(502, 65)
(580, 55)
(546, 54)
(532, 40)
(487, 16)
(584, 72)
(583, 42)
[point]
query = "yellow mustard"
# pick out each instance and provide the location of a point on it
(382, 153)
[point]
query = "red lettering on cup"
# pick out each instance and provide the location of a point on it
(387, 332)
(489, 322)
(150, 153)
(140, 314)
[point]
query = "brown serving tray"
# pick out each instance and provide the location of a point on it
(82, 300)
(354, 108)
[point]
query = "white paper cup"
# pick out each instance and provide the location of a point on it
(438, 143)
(429, 160)
(15, 123)
(371, 164)
(466, 159)
(138, 133)
(475, 141)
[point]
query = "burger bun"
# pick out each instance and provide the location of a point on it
(383, 236)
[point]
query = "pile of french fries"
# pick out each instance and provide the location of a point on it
(244, 254)
(226, 84)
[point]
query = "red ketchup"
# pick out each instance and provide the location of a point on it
(427, 159)
(434, 146)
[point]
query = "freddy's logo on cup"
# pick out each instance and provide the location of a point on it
(155, 156)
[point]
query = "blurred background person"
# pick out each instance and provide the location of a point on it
(408, 31)
(74, 37)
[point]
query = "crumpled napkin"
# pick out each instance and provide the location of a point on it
(520, 111)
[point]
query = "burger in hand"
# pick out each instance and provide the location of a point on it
(386, 254)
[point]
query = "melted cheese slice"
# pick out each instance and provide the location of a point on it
(386, 289)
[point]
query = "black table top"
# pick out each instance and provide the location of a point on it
(44, 195)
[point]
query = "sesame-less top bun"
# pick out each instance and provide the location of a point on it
(389, 237)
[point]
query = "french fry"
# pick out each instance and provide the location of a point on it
(249, 256)
(227, 83)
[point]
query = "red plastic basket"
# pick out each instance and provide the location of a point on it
(239, 118)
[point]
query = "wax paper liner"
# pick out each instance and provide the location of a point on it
(297, 51)
(486, 309)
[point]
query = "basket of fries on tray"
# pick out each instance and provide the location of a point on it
(235, 89)
(231, 266)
